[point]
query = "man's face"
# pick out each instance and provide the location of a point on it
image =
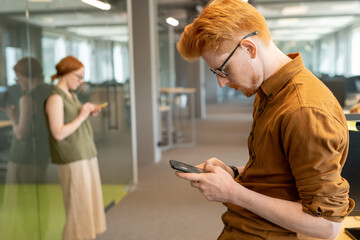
(243, 68)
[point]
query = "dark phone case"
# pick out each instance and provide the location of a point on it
(354, 233)
(183, 167)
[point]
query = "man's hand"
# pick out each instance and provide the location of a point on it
(217, 162)
(215, 184)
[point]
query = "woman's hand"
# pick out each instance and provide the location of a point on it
(10, 112)
(96, 111)
(22, 123)
(86, 110)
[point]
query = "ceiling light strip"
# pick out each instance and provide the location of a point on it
(98, 4)
(39, 1)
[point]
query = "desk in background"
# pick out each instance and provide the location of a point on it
(176, 103)
(5, 123)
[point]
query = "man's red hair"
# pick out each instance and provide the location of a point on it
(221, 20)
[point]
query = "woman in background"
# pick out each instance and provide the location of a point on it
(73, 150)
(29, 152)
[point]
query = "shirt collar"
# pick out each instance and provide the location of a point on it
(275, 82)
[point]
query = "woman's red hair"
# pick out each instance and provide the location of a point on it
(65, 66)
(221, 20)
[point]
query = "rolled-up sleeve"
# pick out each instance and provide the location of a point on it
(316, 145)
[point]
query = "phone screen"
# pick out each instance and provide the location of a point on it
(183, 167)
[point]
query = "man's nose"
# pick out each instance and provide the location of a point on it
(222, 81)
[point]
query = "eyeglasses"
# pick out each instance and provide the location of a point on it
(219, 71)
(79, 76)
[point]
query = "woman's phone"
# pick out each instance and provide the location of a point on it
(103, 105)
(183, 167)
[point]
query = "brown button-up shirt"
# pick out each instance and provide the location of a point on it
(297, 145)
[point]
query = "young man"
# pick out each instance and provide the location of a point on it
(291, 187)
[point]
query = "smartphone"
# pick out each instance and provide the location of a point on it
(183, 167)
(103, 105)
(353, 233)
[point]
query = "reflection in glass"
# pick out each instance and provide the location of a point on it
(28, 157)
(100, 40)
(26, 163)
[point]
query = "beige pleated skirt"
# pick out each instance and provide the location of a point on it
(81, 186)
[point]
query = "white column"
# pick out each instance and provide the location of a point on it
(144, 49)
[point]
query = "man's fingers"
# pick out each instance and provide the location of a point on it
(189, 176)
(201, 165)
(195, 184)
(211, 168)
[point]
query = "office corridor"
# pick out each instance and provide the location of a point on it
(164, 207)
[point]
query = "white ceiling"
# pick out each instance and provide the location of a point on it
(308, 20)
(13, 6)
(288, 20)
(70, 15)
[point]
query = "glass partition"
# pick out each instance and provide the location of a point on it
(177, 103)
(34, 37)
(165, 76)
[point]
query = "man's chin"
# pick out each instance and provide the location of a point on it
(248, 94)
(236, 88)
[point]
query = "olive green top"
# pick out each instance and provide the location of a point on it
(80, 144)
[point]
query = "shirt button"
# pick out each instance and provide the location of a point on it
(271, 95)
(259, 109)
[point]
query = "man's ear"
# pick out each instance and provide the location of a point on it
(250, 47)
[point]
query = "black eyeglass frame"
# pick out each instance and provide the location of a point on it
(219, 71)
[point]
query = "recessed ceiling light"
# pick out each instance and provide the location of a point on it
(98, 4)
(172, 21)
